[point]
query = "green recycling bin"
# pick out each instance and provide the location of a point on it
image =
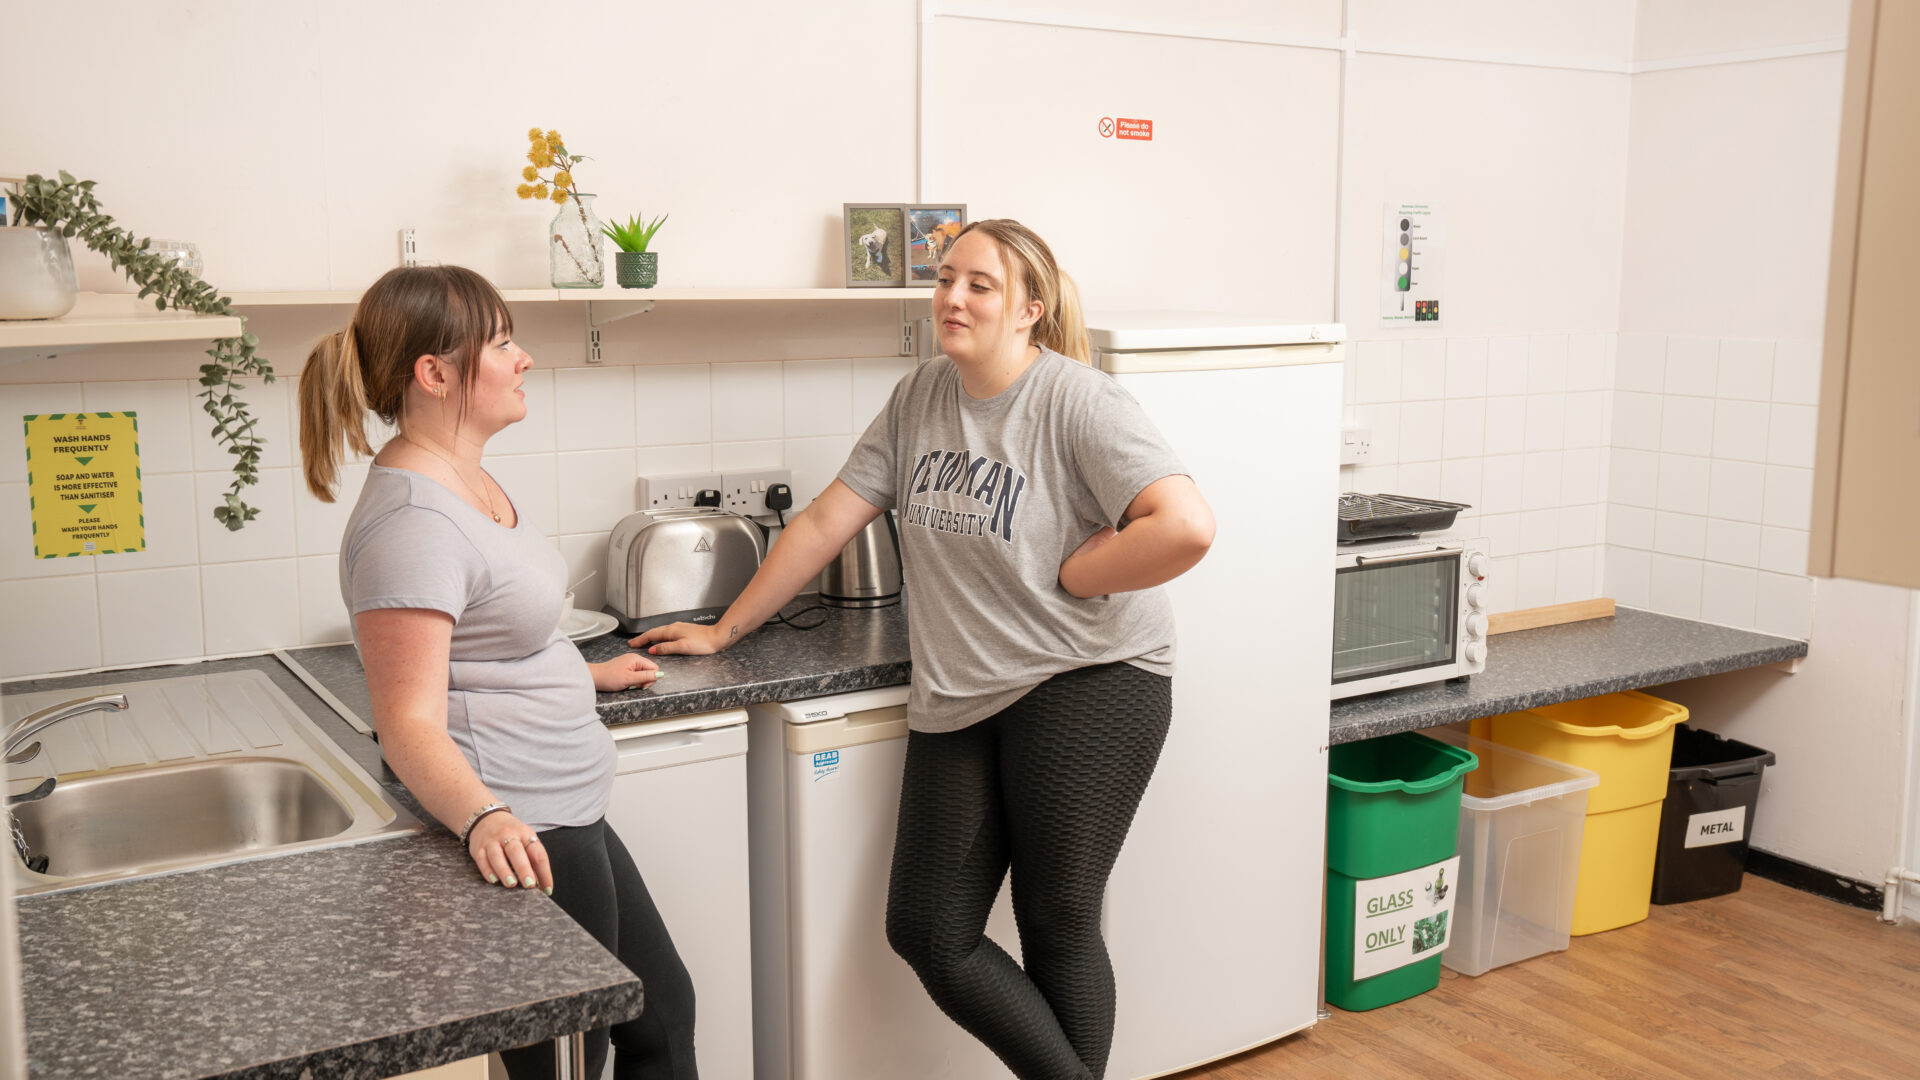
(1393, 830)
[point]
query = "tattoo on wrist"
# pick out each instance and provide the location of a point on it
(733, 631)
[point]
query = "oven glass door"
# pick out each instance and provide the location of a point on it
(1393, 616)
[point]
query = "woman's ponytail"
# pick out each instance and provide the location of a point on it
(333, 410)
(1066, 324)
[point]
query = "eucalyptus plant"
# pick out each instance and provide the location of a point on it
(70, 206)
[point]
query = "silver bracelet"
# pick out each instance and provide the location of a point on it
(474, 819)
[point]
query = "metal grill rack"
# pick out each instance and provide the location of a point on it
(1364, 517)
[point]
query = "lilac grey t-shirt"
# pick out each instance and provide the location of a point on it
(520, 700)
(992, 496)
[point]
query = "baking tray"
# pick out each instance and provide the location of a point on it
(1364, 517)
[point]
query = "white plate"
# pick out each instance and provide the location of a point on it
(580, 625)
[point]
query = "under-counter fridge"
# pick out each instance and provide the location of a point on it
(1213, 912)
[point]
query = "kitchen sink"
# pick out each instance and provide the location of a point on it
(198, 771)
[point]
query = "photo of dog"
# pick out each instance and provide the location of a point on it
(929, 230)
(875, 239)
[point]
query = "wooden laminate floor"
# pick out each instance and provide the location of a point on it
(1766, 983)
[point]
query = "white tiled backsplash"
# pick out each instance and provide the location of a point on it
(200, 590)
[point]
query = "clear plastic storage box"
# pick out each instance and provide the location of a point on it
(1521, 822)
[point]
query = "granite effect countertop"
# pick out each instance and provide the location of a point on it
(362, 961)
(1550, 664)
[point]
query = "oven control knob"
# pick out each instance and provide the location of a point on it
(1474, 594)
(1476, 652)
(1477, 565)
(1476, 626)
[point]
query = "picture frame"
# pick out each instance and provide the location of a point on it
(930, 228)
(874, 245)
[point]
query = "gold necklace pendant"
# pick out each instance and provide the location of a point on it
(482, 492)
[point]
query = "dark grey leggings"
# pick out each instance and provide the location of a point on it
(596, 883)
(1047, 787)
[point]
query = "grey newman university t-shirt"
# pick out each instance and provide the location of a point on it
(993, 495)
(520, 700)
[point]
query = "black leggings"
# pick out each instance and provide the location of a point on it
(1047, 786)
(596, 883)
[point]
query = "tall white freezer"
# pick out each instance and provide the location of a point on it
(1213, 913)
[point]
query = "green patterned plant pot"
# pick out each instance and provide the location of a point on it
(636, 269)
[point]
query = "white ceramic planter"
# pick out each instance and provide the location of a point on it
(36, 274)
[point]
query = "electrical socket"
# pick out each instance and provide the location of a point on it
(1356, 444)
(675, 490)
(745, 492)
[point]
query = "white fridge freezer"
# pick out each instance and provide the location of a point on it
(1213, 913)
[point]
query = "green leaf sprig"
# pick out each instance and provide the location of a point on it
(635, 234)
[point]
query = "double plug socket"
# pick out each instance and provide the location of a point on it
(743, 492)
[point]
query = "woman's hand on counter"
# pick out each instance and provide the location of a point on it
(628, 671)
(682, 639)
(509, 853)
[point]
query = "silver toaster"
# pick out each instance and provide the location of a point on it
(681, 565)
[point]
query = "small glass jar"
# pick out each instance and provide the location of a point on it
(575, 246)
(178, 251)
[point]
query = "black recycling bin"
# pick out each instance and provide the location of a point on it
(1712, 789)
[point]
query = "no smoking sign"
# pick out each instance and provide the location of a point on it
(1125, 128)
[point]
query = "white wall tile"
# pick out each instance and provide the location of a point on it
(1586, 419)
(1503, 586)
(1683, 483)
(1378, 379)
(1579, 526)
(319, 526)
(1686, 425)
(1547, 364)
(1466, 367)
(1539, 530)
(1693, 366)
(17, 552)
(1739, 430)
(1507, 365)
(1422, 430)
(596, 489)
(1574, 576)
(1540, 480)
(267, 536)
(1790, 435)
(759, 454)
(1783, 551)
(1789, 499)
(1465, 428)
(1737, 490)
(1736, 543)
(29, 399)
(1630, 526)
(1582, 477)
(1460, 481)
(1727, 595)
(1500, 484)
(1502, 532)
(250, 606)
(1627, 577)
(148, 615)
(1783, 604)
(815, 462)
(1796, 372)
(673, 460)
(1640, 363)
(53, 624)
(1375, 479)
(535, 432)
(1349, 376)
(1633, 477)
(166, 412)
(1420, 479)
(323, 615)
(748, 402)
(1636, 420)
(674, 403)
(531, 480)
(1680, 534)
(1506, 424)
(1535, 579)
(594, 408)
(268, 404)
(819, 397)
(1546, 421)
(1587, 362)
(586, 553)
(174, 516)
(875, 377)
(1384, 419)
(1746, 369)
(1674, 586)
(1423, 369)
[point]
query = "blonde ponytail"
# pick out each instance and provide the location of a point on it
(1029, 261)
(333, 410)
(1066, 329)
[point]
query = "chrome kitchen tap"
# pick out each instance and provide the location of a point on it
(24, 728)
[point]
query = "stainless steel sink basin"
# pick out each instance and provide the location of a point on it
(199, 771)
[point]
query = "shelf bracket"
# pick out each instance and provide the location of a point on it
(602, 312)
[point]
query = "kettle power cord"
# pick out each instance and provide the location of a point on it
(779, 500)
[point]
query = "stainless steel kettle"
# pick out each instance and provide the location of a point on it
(866, 573)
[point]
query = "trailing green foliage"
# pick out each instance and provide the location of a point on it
(70, 206)
(635, 234)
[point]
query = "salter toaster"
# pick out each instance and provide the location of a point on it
(681, 565)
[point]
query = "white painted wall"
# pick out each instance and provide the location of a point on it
(1673, 29)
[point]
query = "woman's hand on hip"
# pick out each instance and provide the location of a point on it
(682, 639)
(509, 853)
(628, 671)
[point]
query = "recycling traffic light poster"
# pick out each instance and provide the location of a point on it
(83, 484)
(1403, 919)
(1412, 256)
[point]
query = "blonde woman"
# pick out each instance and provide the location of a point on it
(1038, 510)
(485, 710)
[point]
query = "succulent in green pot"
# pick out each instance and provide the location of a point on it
(634, 267)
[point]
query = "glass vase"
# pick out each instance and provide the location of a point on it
(574, 244)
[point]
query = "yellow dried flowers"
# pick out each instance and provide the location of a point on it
(546, 151)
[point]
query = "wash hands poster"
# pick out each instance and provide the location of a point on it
(1412, 255)
(83, 484)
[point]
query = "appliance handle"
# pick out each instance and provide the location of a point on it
(1369, 560)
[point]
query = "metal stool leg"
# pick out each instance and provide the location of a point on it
(570, 1057)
